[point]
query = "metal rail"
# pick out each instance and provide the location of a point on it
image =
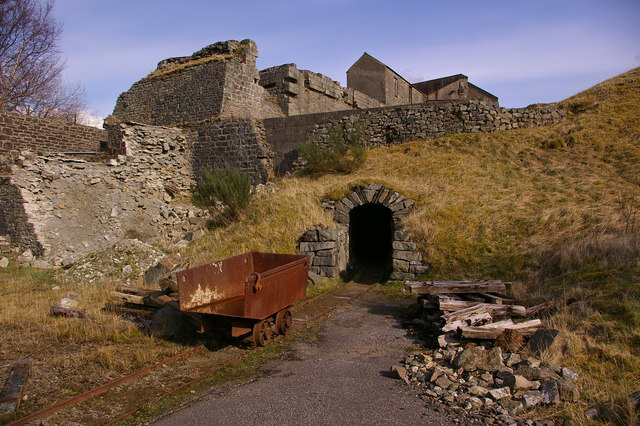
(186, 354)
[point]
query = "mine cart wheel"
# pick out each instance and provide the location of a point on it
(262, 332)
(284, 320)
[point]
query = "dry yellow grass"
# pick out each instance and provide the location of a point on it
(557, 208)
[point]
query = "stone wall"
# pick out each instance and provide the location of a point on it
(13, 217)
(305, 92)
(392, 125)
(63, 208)
(329, 248)
(20, 132)
(240, 143)
(219, 80)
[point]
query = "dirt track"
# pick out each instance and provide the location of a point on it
(338, 379)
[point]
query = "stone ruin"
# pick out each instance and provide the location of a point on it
(66, 190)
(368, 231)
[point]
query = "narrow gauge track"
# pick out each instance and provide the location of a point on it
(307, 312)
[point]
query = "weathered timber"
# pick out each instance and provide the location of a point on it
(455, 305)
(59, 311)
(129, 298)
(435, 287)
(472, 320)
(160, 299)
(11, 394)
(533, 310)
(479, 308)
(129, 289)
(117, 309)
(492, 333)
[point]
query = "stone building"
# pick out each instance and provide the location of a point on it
(373, 78)
(454, 87)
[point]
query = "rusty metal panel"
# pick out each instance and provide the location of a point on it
(281, 286)
(215, 288)
(250, 285)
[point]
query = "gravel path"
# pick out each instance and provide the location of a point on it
(338, 379)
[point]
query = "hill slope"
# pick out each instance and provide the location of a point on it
(557, 208)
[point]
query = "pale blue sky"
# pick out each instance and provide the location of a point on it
(524, 52)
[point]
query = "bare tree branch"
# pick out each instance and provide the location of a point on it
(30, 63)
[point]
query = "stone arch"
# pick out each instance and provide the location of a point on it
(335, 250)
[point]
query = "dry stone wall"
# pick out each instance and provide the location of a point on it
(23, 132)
(393, 125)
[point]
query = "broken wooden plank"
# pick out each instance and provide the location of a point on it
(59, 311)
(129, 298)
(515, 310)
(472, 320)
(491, 331)
(118, 309)
(435, 287)
(11, 394)
(455, 305)
(129, 289)
(533, 310)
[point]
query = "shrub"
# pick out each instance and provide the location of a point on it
(343, 152)
(225, 190)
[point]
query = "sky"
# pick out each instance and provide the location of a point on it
(524, 52)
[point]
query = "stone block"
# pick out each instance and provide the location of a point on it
(406, 255)
(329, 271)
(355, 199)
(401, 235)
(531, 399)
(500, 393)
(404, 245)
(568, 390)
(418, 267)
(313, 246)
(347, 202)
(310, 235)
(327, 234)
(341, 217)
(400, 265)
(398, 372)
(549, 392)
(324, 261)
(401, 276)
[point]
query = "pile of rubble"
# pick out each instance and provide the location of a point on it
(486, 365)
(487, 385)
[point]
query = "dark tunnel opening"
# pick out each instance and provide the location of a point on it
(370, 238)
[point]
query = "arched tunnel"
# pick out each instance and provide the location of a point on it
(370, 239)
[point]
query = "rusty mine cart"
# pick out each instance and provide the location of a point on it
(248, 293)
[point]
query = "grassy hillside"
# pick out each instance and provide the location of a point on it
(556, 208)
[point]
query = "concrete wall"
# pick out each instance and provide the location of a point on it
(22, 132)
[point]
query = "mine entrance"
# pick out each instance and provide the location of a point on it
(370, 238)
